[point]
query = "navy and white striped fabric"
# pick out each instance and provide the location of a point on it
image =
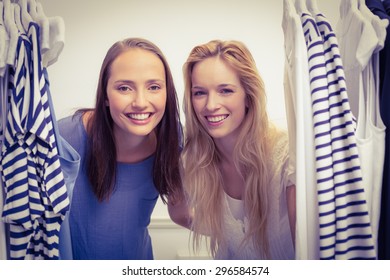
(36, 200)
(345, 231)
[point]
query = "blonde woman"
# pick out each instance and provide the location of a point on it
(234, 161)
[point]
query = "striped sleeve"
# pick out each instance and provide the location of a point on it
(354, 232)
(322, 136)
(345, 231)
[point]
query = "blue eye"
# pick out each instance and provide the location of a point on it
(226, 90)
(198, 93)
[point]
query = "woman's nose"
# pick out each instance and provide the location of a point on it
(139, 100)
(212, 101)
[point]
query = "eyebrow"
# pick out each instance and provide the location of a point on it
(151, 81)
(219, 86)
(227, 85)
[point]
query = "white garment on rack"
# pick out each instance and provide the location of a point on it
(370, 128)
(357, 41)
(300, 129)
(4, 42)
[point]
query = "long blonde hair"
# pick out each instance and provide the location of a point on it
(200, 158)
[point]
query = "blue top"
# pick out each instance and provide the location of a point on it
(114, 229)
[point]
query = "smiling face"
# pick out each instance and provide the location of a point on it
(218, 98)
(136, 92)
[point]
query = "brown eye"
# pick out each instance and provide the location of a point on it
(154, 87)
(124, 88)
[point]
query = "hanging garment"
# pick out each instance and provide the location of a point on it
(36, 196)
(370, 130)
(357, 41)
(10, 43)
(4, 38)
(300, 129)
(322, 140)
(382, 10)
(357, 31)
(70, 164)
(345, 230)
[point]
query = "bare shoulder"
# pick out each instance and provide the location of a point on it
(86, 117)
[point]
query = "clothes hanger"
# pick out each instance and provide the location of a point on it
(313, 7)
(43, 22)
(25, 16)
(18, 18)
(348, 5)
(56, 37)
(300, 6)
(12, 30)
(8, 17)
(1, 13)
(4, 38)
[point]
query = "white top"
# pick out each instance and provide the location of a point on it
(300, 129)
(236, 207)
(279, 233)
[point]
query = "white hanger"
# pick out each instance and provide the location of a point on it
(348, 5)
(9, 18)
(32, 8)
(300, 6)
(1, 13)
(25, 16)
(18, 18)
(313, 7)
(12, 30)
(56, 38)
(4, 38)
(43, 22)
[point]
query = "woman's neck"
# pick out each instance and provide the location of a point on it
(233, 182)
(225, 148)
(133, 149)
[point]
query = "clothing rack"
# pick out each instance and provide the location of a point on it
(33, 194)
(323, 127)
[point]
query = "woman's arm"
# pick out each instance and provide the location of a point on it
(291, 208)
(178, 210)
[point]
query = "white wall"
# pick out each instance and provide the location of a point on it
(175, 26)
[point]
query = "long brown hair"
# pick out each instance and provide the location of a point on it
(101, 154)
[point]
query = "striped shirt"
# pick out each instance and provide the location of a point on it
(36, 200)
(345, 231)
